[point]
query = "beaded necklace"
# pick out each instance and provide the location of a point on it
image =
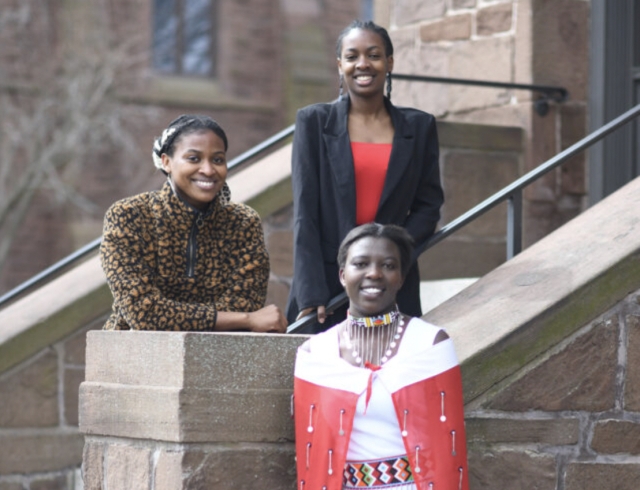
(360, 334)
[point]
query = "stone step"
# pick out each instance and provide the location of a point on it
(434, 293)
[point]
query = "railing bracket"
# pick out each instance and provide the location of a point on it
(541, 106)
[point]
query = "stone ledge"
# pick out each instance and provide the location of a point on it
(547, 292)
(203, 93)
(191, 415)
(266, 187)
(204, 360)
(189, 387)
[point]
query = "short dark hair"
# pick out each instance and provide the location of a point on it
(182, 125)
(398, 235)
(366, 25)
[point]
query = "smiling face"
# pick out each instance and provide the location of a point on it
(198, 167)
(364, 63)
(372, 276)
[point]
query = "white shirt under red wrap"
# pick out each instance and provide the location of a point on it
(424, 383)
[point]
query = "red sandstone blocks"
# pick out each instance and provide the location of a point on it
(494, 19)
(588, 476)
(30, 395)
(452, 28)
(40, 452)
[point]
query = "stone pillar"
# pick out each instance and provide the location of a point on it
(178, 410)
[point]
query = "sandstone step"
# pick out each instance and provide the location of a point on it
(434, 293)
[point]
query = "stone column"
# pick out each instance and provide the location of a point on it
(178, 410)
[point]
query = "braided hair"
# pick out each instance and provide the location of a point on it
(366, 25)
(184, 124)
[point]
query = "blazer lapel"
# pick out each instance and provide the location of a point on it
(403, 141)
(336, 139)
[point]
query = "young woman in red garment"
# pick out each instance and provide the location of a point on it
(378, 397)
(357, 160)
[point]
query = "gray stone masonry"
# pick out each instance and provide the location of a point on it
(553, 404)
(548, 342)
(40, 445)
(165, 410)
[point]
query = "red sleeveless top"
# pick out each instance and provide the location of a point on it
(370, 162)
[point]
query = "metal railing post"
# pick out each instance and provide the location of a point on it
(514, 224)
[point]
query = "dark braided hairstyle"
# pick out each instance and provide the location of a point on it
(180, 126)
(183, 125)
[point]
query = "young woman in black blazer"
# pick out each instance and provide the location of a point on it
(359, 159)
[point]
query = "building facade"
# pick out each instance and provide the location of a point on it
(86, 86)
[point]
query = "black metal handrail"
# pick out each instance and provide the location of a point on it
(512, 193)
(541, 105)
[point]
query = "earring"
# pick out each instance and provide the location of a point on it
(341, 84)
(389, 85)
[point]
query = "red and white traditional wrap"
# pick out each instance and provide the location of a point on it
(426, 391)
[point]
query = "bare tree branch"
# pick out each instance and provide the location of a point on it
(68, 113)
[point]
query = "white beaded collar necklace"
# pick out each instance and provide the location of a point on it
(359, 335)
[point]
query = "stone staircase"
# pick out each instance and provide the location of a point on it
(548, 341)
(549, 344)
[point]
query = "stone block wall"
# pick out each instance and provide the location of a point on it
(476, 161)
(169, 411)
(550, 349)
(549, 344)
(40, 445)
(516, 41)
(570, 420)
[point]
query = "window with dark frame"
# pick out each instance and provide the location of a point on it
(184, 37)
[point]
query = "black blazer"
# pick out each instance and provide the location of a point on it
(324, 200)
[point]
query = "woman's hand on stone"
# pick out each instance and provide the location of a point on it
(268, 320)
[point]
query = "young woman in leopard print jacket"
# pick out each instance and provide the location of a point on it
(184, 257)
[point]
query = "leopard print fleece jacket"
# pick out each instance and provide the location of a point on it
(172, 267)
